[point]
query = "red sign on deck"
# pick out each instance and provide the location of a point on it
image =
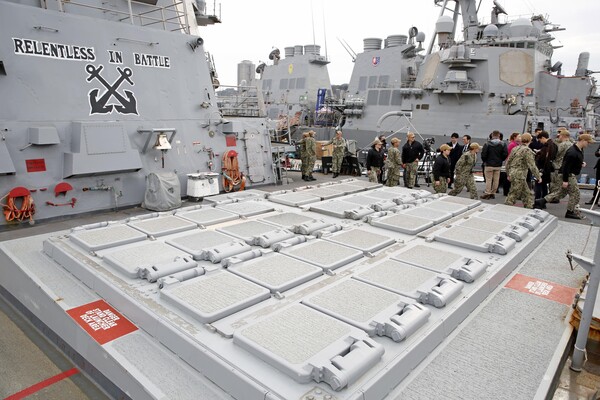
(35, 165)
(537, 287)
(101, 321)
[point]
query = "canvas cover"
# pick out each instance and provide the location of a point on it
(163, 191)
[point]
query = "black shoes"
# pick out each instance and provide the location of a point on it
(574, 215)
(417, 185)
(310, 178)
(335, 174)
(540, 204)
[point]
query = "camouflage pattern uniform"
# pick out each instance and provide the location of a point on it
(520, 161)
(464, 175)
(302, 148)
(556, 177)
(394, 162)
(339, 145)
(311, 155)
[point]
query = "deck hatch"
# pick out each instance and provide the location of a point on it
(211, 297)
(341, 209)
(516, 232)
(162, 225)
(367, 242)
(414, 282)
(372, 309)
(276, 272)
(247, 208)
(403, 223)
(324, 254)
(295, 199)
(287, 220)
(133, 259)
(475, 239)
(105, 237)
(199, 244)
(458, 266)
(207, 216)
(309, 345)
(257, 233)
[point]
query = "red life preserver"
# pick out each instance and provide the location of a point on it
(12, 211)
(232, 176)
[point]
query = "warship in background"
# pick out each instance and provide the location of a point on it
(92, 113)
(499, 76)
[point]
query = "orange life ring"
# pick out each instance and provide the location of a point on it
(12, 211)
(232, 176)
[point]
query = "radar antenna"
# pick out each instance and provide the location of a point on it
(497, 10)
(275, 55)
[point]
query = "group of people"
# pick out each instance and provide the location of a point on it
(394, 159)
(554, 166)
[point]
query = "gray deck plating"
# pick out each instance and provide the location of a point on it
(267, 303)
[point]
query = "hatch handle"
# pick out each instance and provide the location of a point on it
(343, 370)
(405, 323)
(442, 293)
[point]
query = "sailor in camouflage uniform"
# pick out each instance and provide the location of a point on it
(394, 162)
(339, 146)
(570, 168)
(464, 172)
(303, 159)
(311, 155)
(564, 143)
(520, 161)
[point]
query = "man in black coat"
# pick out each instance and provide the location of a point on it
(456, 151)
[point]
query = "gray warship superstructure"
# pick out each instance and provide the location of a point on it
(98, 96)
(295, 88)
(499, 76)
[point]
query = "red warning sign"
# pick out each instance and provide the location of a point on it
(101, 321)
(35, 165)
(551, 291)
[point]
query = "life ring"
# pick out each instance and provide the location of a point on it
(13, 212)
(232, 176)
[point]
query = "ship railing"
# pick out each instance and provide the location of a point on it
(172, 17)
(240, 101)
(469, 85)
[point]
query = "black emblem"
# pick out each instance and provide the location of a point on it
(100, 104)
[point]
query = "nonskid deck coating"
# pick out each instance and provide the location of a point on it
(345, 271)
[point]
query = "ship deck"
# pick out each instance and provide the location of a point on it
(505, 335)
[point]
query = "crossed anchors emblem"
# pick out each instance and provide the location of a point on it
(99, 104)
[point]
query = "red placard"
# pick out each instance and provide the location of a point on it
(230, 141)
(537, 287)
(101, 321)
(36, 165)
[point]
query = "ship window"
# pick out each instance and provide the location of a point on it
(362, 83)
(384, 97)
(300, 83)
(384, 80)
(396, 98)
(424, 106)
(530, 45)
(283, 84)
(372, 97)
(372, 82)
(520, 45)
(292, 83)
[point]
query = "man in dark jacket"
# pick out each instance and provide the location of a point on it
(493, 154)
(456, 151)
(570, 168)
(441, 170)
(543, 160)
(597, 168)
(412, 152)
